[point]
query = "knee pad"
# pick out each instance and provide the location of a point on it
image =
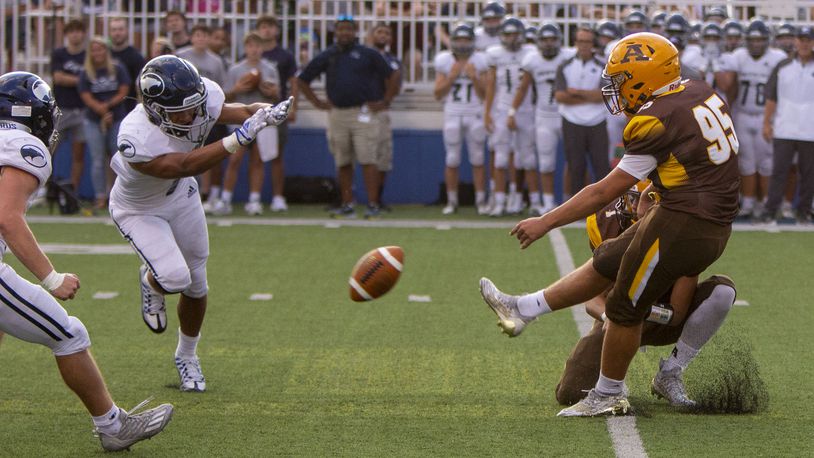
(79, 342)
(501, 157)
(198, 287)
(722, 298)
(476, 143)
(174, 280)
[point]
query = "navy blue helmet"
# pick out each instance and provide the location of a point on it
(757, 29)
(677, 24)
(530, 34)
(716, 11)
(785, 30)
(636, 17)
(549, 30)
(27, 100)
(733, 28)
(167, 85)
(608, 29)
(493, 9)
(712, 30)
(658, 19)
(459, 47)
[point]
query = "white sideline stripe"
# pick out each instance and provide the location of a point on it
(622, 430)
(261, 297)
(358, 288)
(741, 303)
(104, 295)
(395, 223)
(390, 258)
(86, 248)
(418, 298)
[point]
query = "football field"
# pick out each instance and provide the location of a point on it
(295, 368)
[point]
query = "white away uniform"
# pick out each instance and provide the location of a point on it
(463, 112)
(547, 120)
(755, 155)
(484, 41)
(27, 311)
(163, 219)
(503, 141)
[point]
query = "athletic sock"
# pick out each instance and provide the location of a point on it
(608, 386)
(748, 203)
(500, 199)
(226, 196)
(533, 305)
(452, 198)
(214, 193)
(548, 200)
(480, 197)
(512, 188)
(109, 423)
(187, 346)
(534, 199)
(254, 197)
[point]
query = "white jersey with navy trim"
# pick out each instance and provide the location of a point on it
(753, 74)
(507, 75)
(462, 98)
(140, 140)
(483, 40)
(23, 151)
(544, 73)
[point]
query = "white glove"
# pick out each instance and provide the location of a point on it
(245, 134)
(279, 113)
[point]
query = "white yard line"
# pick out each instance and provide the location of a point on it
(86, 248)
(622, 430)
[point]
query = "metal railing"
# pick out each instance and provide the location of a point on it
(31, 29)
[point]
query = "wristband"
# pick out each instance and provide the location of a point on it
(52, 281)
(512, 112)
(230, 143)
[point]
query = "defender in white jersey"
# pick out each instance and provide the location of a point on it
(459, 82)
(506, 135)
(750, 69)
(155, 203)
(28, 113)
(540, 69)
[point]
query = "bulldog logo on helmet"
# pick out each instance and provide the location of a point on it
(151, 84)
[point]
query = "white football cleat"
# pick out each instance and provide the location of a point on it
(505, 307)
(189, 370)
(222, 208)
(153, 308)
(484, 208)
(449, 209)
(515, 203)
(278, 204)
(208, 206)
(595, 405)
(253, 208)
(136, 426)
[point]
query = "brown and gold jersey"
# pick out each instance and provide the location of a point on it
(690, 133)
(604, 225)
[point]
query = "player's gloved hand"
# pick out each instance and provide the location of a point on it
(245, 134)
(279, 113)
(61, 286)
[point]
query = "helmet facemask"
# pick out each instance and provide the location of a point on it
(612, 92)
(194, 132)
(549, 48)
(462, 47)
(626, 207)
(511, 41)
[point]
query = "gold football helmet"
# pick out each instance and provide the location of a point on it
(640, 66)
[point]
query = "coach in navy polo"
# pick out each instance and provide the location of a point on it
(354, 109)
(787, 121)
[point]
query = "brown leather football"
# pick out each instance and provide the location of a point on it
(376, 273)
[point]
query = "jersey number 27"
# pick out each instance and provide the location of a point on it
(716, 127)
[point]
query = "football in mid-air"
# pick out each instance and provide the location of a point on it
(376, 273)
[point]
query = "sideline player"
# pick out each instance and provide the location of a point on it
(680, 136)
(688, 326)
(459, 81)
(28, 113)
(155, 202)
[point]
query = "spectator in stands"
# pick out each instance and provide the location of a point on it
(787, 117)
(66, 64)
(103, 86)
(352, 72)
(269, 29)
(176, 24)
(219, 43)
(127, 55)
(412, 32)
(578, 92)
(160, 47)
(382, 39)
(209, 64)
(251, 80)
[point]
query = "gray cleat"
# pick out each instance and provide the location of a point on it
(505, 307)
(137, 426)
(595, 405)
(667, 384)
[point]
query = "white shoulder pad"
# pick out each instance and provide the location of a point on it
(530, 61)
(26, 152)
(443, 62)
(139, 140)
(478, 59)
(214, 98)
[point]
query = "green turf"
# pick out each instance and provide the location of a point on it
(311, 373)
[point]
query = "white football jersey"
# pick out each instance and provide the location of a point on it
(693, 56)
(23, 151)
(483, 40)
(140, 140)
(507, 73)
(544, 73)
(461, 99)
(753, 74)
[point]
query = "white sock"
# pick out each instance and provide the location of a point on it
(534, 199)
(533, 305)
(500, 198)
(226, 196)
(187, 346)
(548, 200)
(452, 198)
(492, 185)
(701, 325)
(110, 422)
(748, 203)
(480, 197)
(512, 188)
(214, 192)
(254, 197)
(608, 386)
